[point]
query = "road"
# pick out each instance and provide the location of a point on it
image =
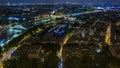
(10, 34)
(59, 53)
(8, 54)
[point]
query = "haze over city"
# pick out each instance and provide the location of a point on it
(62, 1)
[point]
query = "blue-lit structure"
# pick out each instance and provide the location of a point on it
(60, 32)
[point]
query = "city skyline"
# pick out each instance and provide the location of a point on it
(61, 1)
(59, 34)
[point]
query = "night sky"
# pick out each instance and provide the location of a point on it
(61, 1)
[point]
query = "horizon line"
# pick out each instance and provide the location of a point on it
(53, 3)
